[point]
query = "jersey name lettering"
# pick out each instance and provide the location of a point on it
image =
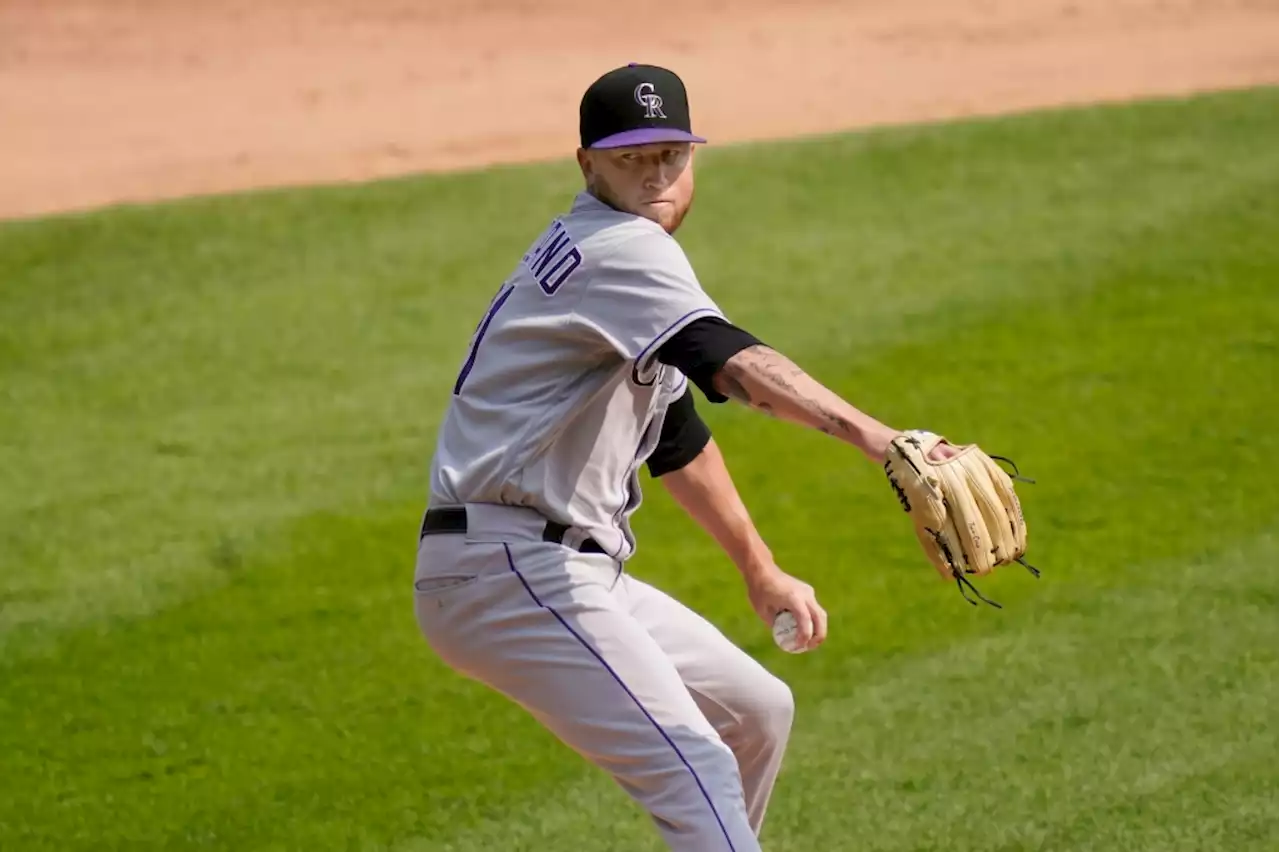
(553, 258)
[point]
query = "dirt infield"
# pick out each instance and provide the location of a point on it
(103, 101)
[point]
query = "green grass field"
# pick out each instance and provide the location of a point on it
(216, 418)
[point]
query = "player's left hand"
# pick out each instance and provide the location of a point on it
(944, 450)
(775, 590)
(963, 507)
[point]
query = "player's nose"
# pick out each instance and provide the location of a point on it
(660, 176)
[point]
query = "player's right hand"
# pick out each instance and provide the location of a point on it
(774, 590)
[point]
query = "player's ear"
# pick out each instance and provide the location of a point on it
(584, 163)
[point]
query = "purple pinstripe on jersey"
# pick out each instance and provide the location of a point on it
(583, 642)
(627, 493)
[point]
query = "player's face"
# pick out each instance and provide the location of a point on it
(654, 181)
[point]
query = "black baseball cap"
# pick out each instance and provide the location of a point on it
(635, 105)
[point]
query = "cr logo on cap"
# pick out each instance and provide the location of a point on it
(650, 100)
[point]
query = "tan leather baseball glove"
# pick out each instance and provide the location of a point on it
(964, 509)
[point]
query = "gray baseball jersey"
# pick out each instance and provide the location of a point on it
(560, 400)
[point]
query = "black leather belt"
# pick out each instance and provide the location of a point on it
(454, 520)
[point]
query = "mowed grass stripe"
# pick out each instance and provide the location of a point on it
(292, 704)
(1069, 729)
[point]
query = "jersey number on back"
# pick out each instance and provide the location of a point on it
(494, 306)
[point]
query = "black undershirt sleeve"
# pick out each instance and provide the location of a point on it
(683, 437)
(701, 348)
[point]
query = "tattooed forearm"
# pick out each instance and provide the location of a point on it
(734, 389)
(770, 382)
(755, 362)
(729, 385)
(834, 423)
(772, 374)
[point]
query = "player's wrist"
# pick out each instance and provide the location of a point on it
(874, 441)
(756, 566)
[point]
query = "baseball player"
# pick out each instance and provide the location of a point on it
(582, 370)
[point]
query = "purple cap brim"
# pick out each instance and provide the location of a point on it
(647, 136)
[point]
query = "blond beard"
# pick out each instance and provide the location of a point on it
(600, 189)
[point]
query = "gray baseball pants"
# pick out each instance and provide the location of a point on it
(686, 722)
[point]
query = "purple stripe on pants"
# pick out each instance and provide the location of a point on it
(511, 562)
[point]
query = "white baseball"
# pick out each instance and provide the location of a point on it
(785, 633)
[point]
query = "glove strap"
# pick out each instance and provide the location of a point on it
(1016, 475)
(962, 583)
